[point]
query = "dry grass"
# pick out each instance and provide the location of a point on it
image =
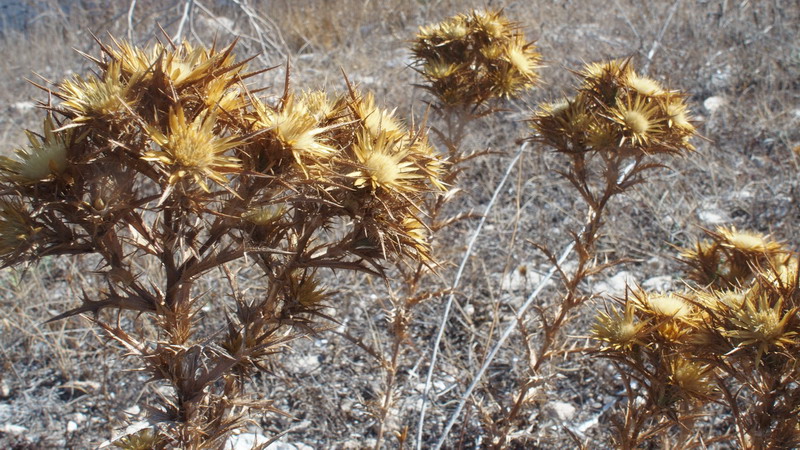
(744, 174)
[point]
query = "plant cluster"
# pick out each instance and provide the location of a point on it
(166, 166)
(617, 111)
(473, 58)
(611, 131)
(730, 339)
(476, 77)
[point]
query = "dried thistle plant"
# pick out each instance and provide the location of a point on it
(470, 59)
(470, 63)
(730, 339)
(165, 158)
(612, 132)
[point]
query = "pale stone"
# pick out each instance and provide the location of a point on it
(712, 104)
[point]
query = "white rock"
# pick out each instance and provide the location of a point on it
(616, 284)
(246, 441)
(5, 389)
(712, 104)
(469, 310)
(562, 411)
(16, 430)
(24, 106)
(521, 278)
(712, 216)
(72, 426)
(658, 284)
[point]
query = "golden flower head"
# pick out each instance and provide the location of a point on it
(639, 120)
(620, 331)
(746, 241)
(692, 379)
(563, 124)
(45, 157)
(193, 149)
(16, 227)
(604, 80)
(385, 163)
(376, 120)
(264, 215)
(643, 85)
(678, 114)
(523, 58)
(95, 98)
(762, 322)
(473, 58)
(305, 289)
(295, 129)
(417, 236)
(665, 305)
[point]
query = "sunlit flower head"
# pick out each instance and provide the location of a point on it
(95, 98)
(193, 149)
(385, 163)
(45, 157)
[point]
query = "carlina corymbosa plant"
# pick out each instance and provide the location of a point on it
(726, 345)
(617, 127)
(166, 169)
(470, 63)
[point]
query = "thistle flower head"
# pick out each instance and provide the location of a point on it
(264, 215)
(305, 289)
(472, 58)
(666, 305)
(95, 98)
(620, 331)
(693, 380)
(386, 163)
(319, 105)
(16, 227)
(376, 120)
(639, 120)
(643, 85)
(619, 112)
(678, 115)
(746, 241)
(193, 149)
(294, 129)
(45, 157)
(764, 323)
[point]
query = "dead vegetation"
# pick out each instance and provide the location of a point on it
(739, 62)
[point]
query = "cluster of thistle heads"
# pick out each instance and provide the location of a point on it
(617, 110)
(177, 124)
(473, 58)
(735, 326)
